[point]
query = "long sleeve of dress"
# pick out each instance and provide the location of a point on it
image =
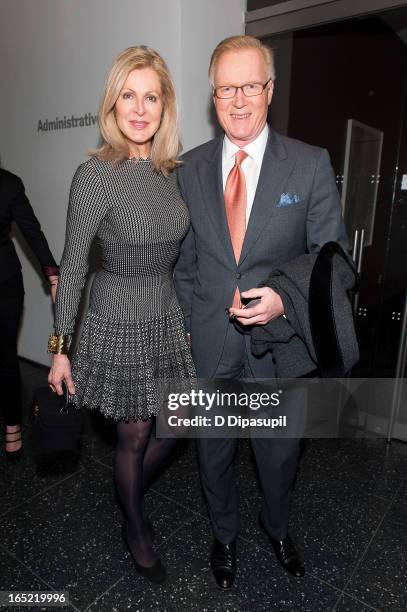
(86, 210)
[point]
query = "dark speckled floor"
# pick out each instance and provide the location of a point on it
(349, 516)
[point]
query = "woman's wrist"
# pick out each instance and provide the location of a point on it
(59, 357)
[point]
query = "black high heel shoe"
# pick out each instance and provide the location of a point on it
(14, 455)
(155, 573)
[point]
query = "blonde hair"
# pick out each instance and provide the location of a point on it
(166, 144)
(239, 43)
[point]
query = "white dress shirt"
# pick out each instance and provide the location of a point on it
(251, 165)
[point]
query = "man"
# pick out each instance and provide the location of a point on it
(256, 200)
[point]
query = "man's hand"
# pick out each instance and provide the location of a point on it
(270, 307)
(61, 371)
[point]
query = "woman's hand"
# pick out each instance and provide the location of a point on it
(61, 371)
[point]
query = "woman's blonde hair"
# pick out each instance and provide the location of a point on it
(166, 144)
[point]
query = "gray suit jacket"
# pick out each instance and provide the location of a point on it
(296, 210)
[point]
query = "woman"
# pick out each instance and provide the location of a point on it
(14, 206)
(126, 194)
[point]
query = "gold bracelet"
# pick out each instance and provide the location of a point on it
(58, 345)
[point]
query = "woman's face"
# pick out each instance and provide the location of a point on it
(139, 109)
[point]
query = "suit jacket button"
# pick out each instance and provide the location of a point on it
(238, 275)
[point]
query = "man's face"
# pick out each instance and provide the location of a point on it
(242, 117)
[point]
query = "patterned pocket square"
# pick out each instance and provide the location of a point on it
(286, 199)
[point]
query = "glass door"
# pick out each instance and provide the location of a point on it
(342, 86)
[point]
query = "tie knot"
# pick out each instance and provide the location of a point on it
(240, 156)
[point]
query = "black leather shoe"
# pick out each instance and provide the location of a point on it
(286, 553)
(223, 564)
(155, 573)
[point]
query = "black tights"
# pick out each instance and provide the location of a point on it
(139, 454)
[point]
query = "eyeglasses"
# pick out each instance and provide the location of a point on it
(249, 89)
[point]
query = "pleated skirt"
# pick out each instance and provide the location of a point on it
(125, 369)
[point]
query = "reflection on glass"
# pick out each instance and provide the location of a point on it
(361, 177)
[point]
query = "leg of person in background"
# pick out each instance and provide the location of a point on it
(11, 307)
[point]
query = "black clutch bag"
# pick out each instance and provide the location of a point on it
(57, 424)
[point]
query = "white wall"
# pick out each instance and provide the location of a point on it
(55, 55)
(203, 24)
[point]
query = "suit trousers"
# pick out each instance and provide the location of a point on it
(11, 307)
(276, 460)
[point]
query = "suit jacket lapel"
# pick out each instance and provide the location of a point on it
(275, 169)
(210, 178)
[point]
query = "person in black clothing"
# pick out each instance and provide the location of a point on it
(14, 206)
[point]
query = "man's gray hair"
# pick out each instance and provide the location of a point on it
(239, 43)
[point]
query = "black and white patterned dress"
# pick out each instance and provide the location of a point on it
(133, 335)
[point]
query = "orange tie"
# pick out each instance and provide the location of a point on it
(235, 205)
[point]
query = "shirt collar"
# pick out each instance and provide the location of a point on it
(255, 149)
